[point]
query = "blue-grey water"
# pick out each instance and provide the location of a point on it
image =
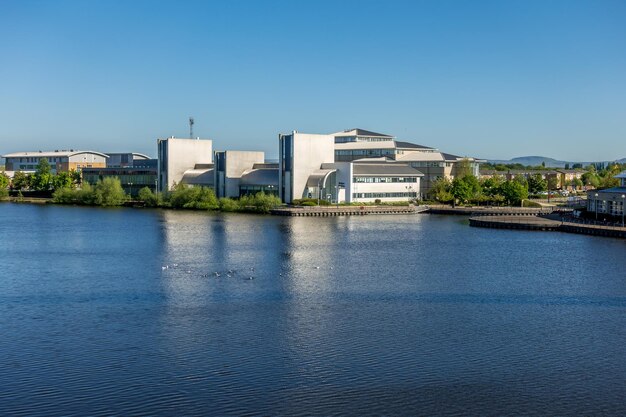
(374, 315)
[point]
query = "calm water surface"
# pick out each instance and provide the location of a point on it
(374, 315)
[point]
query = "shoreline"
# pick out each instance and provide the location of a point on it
(511, 218)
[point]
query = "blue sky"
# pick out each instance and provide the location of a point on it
(493, 79)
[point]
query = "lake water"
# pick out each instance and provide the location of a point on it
(373, 315)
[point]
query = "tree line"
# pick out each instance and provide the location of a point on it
(496, 190)
(109, 192)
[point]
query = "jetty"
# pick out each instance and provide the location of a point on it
(546, 223)
(327, 211)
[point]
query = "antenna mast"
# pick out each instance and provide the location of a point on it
(190, 127)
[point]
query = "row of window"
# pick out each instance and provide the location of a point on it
(366, 152)
(124, 179)
(603, 206)
(383, 179)
(346, 139)
(383, 195)
(429, 164)
(35, 159)
(253, 189)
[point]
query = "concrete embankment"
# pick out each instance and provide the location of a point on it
(542, 223)
(490, 211)
(324, 211)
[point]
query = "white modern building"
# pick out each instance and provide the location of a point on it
(610, 201)
(309, 169)
(360, 144)
(371, 181)
(230, 166)
(300, 159)
(177, 156)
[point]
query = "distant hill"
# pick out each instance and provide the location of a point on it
(549, 162)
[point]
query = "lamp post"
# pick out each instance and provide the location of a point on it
(319, 191)
(623, 200)
(409, 188)
(596, 201)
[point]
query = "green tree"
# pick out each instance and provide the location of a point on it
(491, 186)
(440, 190)
(4, 180)
(513, 192)
(202, 198)
(148, 197)
(536, 184)
(4, 185)
(463, 168)
(76, 178)
(591, 178)
(109, 192)
(465, 189)
(62, 180)
(42, 178)
(228, 204)
(553, 182)
(21, 181)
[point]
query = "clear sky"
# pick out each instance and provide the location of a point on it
(492, 79)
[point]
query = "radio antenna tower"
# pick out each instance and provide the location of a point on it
(191, 127)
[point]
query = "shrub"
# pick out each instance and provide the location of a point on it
(109, 192)
(193, 198)
(308, 201)
(148, 197)
(228, 204)
(259, 203)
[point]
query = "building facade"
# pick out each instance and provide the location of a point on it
(176, 156)
(610, 201)
(300, 157)
(360, 145)
(59, 160)
(132, 178)
(230, 166)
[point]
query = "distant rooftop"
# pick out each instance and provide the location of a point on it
(50, 154)
(362, 132)
(409, 145)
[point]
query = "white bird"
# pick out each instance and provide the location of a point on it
(164, 267)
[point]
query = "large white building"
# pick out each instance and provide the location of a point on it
(176, 156)
(360, 144)
(355, 165)
(308, 169)
(300, 159)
